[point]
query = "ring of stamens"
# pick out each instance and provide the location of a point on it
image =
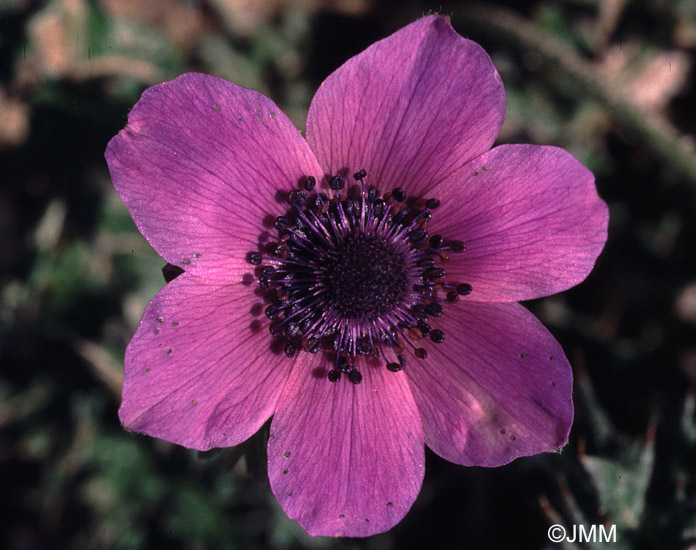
(356, 276)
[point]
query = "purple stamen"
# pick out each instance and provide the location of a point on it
(356, 275)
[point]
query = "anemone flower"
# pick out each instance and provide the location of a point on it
(358, 284)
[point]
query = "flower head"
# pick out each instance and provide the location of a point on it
(360, 285)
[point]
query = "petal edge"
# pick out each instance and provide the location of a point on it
(531, 220)
(498, 388)
(410, 109)
(345, 459)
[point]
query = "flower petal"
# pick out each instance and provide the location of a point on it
(531, 220)
(199, 371)
(410, 110)
(198, 165)
(345, 459)
(497, 388)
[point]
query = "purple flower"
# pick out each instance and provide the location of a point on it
(359, 285)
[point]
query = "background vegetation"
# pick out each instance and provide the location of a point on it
(610, 80)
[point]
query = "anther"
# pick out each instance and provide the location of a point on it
(393, 367)
(399, 194)
(305, 324)
(289, 349)
(378, 207)
(355, 376)
(432, 204)
(436, 241)
(425, 328)
(337, 182)
(418, 236)
(292, 330)
(351, 207)
(272, 312)
(281, 223)
(425, 262)
(434, 309)
(464, 289)
(313, 344)
(309, 183)
(334, 376)
(362, 346)
(316, 202)
(457, 246)
(298, 197)
(433, 273)
(360, 174)
(399, 217)
(254, 258)
(425, 290)
(390, 338)
(437, 336)
(418, 312)
(421, 353)
(302, 198)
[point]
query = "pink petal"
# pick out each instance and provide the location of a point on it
(345, 459)
(497, 388)
(531, 220)
(410, 110)
(199, 371)
(199, 166)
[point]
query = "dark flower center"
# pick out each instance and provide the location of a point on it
(365, 277)
(356, 275)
